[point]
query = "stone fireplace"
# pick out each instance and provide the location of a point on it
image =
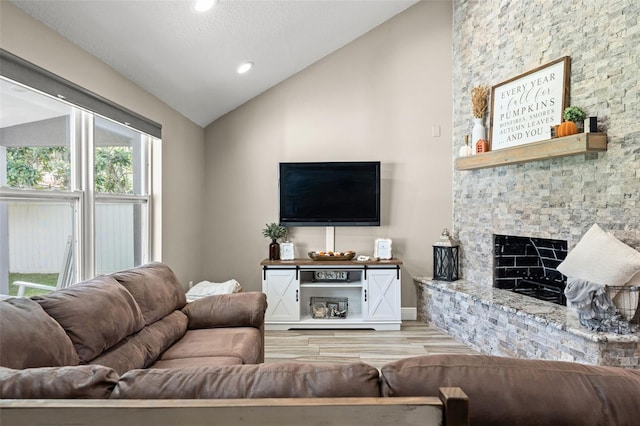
(558, 198)
(527, 265)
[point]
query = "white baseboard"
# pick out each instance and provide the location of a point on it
(409, 314)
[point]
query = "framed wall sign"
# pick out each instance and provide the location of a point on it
(524, 108)
(382, 249)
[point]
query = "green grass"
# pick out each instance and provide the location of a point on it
(50, 279)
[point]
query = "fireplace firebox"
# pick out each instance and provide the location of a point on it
(528, 266)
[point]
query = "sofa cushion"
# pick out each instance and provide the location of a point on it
(155, 288)
(208, 361)
(31, 338)
(96, 314)
(507, 391)
(82, 381)
(280, 380)
(227, 310)
(244, 343)
(143, 348)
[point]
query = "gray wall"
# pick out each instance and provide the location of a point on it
(178, 207)
(375, 99)
(497, 40)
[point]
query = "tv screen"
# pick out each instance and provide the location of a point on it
(330, 194)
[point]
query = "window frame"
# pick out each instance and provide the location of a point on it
(82, 192)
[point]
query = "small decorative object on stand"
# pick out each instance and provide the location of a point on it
(479, 103)
(445, 258)
(482, 146)
(574, 121)
(591, 124)
(466, 150)
(275, 232)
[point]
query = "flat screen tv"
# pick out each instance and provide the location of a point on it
(330, 194)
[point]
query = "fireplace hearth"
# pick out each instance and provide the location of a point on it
(528, 266)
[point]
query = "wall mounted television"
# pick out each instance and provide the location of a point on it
(330, 194)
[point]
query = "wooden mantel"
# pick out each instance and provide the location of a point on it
(580, 143)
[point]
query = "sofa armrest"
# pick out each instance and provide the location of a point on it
(78, 381)
(227, 310)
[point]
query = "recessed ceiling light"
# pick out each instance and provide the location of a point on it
(204, 5)
(245, 67)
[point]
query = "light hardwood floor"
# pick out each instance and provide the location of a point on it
(373, 347)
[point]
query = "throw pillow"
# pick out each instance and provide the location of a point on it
(601, 258)
(207, 288)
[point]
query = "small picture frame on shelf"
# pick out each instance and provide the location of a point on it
(287, 251)
(332, 308)
(382, 249)
(319, 310)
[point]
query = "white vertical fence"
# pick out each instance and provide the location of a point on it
(37, 236)
(114, 237)
(38, 233)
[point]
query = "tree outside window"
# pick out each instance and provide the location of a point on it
(49, 168)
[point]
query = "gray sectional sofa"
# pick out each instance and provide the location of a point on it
(127, 349)
(134, 319)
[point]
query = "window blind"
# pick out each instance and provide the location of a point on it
(31, 75)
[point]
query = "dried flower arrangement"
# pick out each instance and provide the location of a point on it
(479, 96)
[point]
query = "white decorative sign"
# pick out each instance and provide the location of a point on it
(524, 108)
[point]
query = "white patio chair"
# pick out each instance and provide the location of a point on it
(64, 277)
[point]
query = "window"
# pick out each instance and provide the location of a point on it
(67, 174)
(121, 168)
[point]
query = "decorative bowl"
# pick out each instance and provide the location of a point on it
(342, 255)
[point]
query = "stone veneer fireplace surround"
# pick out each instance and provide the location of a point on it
(558, 198)
(500, 322)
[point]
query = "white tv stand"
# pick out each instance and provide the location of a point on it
(372, 291)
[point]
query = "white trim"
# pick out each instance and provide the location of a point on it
(409, 314)
(87, 179)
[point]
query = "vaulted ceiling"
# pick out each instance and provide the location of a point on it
(188, 59)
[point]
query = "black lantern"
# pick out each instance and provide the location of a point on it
(445, 258)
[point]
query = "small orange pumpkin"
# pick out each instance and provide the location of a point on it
(566, 128)
(570, 128)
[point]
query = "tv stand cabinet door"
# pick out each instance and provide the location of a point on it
(383, 295)
(282, 288)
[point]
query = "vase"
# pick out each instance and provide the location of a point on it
(274, 250)
(478, 131)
